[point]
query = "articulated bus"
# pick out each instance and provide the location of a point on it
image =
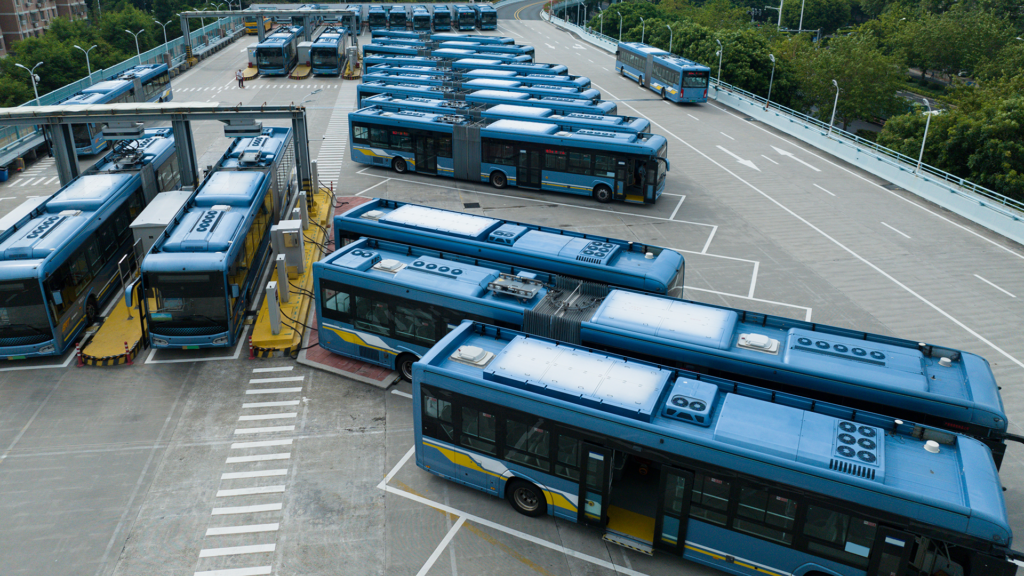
(567, 122)
(866, 372)
(445, 37)
(442, 18)
(486, 16)
(376, 17)
(578, 82)
(327, 54)
(398, 48)
(675, 78)
(470, 44)
(510, 84)
(144, 83)
(203, 273)
(661, 460)
(422, 21)
(357, 11)
(488, 62)
(560, 105)
(59, 262)
(465, 17)
(278, 54)
(397, 18)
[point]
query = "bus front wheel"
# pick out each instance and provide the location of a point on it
(526, 498)
(603, 194)
(399, 165)
(91, 310)
(498, 179)
(404, 364)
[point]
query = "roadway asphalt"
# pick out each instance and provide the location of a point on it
(157, 468)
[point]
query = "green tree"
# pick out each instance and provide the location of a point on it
(958, 39)
(826, 15)
(14, 91)
(867, 78)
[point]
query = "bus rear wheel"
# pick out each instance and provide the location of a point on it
(603, 194)
(91, 310)
(526, 498)
(498, 179)
(404, 365)
(399, 165)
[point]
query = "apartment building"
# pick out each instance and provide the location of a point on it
(20, 19)
(3, 45)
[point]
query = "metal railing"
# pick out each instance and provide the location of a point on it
(12, 136)
(1000, 203)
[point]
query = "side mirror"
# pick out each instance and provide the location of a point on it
(235, 291)
(129, 293)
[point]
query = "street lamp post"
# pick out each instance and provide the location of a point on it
(669, 38)
(164, 26)
(834, 106)
(33, 77)
(770, 81)
(779, 24)
(601, 16)
(620, 28)
(643, 29)
(927, 121)
(801, 28)
(137, 49)
(720, 50)
(87, 65)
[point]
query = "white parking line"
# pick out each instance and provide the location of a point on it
(258, 458)
(235, 550)
(440, 547)
(270, 404)
(253, 474)
(895, 230)
(678, 206)
(251, 491)
(280, 379)
(277, 369)
(261, 444)
(243, 529)
(253, 571)
(267, 416)
(402, 394)
(265, 430)
(994, 286)
(273, 390)
(247, 509)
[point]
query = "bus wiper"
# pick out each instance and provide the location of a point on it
(29, 326)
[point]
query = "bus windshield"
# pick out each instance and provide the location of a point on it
(489, 18)
(467, 18)
(191, 300)
(695, 80)
(22, 313)
(269, 58)
(82, 134)
(325, 57)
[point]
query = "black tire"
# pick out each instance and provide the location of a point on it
(399, 165)
(404, 364)
(622, 72)
(662, 93)
(498, 179)
(640, 80)
(526, 498)
(603, 194)
(91, 310)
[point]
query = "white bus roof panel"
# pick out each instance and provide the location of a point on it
(425, 218)
(478, 61)
(523, 127)
(668, 318)
(605, 382)
(528, 111)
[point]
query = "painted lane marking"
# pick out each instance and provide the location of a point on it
(270, 404)
(235, 550)
(678, 206)
(251, 528)
(273, 390)
(254, 474)
(278, 369)
(769, 159)
(279, 379)
(261, 444)
(251, 491)
(790, 155)
(726, 135)
(994, 286)
(833, 195)
(258, 458)
(895, 230)
(254, 571)
(440, 547)
(746, 163)
(265, 430)
(267, 416)
(247, 509)
(402, 394)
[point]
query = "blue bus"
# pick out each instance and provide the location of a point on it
(314, 21)
(509, 84)
(468, 44)
(486, 16)
(397, 18)
(560, 105)
(422, 21)
(661, 460)
(442, 17)
(327, 54)
(58, 263)
(278, 54)
(376, 17)
(400, 60)
(488, 62)
(357, 11)
(204, 272)
(399, 48)
(568, 122)
(822, 362)
(476, 38)
(465, 17)
(673, 77)
(145, 83)
(577, 82)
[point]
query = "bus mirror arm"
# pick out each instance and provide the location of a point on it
(1013, 438)
(668, 165)
(129, 293)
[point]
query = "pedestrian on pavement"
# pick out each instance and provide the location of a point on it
(241, 78)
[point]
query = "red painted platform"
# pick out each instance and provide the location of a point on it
(317, 357)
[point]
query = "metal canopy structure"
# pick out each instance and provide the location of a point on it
(261, 14)
(58, 121)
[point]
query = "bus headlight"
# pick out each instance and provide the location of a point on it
(48, 349)
(159, 342)
(220, 341)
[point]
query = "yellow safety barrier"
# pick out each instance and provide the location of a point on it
(119, 338)
(250, 73)
(301, 72)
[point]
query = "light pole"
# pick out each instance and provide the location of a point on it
(834, 106)
(578, 10)
(779, 24)
(801, 28)
(33, 77)
(137, 49)
(584, 17)
(643, 29)
(669, 38)
(164, 26)
(620, 28)
(601, 16)
(772, 79)
(927, 121)
(87, 65)
(720, 50)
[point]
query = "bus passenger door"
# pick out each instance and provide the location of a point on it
(891, 552)
(635, 176)
(593, 498)
(426, 154)
(528, 169)
(673, 510)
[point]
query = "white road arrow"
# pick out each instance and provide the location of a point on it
(790, 154)
(746, 163)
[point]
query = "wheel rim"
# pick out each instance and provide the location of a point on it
(499, 180)
(526, 499)
(406, 369)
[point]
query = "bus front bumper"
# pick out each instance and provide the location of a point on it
(219, 340)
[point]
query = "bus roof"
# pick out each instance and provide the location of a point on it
(477, 62)
(519, 126)
(886, 469)
(512, 109)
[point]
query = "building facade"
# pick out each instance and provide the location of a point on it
(20, 19)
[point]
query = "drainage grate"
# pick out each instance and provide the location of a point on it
(891, 187)
(470, 204)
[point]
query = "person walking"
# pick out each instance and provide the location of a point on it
(241, 78)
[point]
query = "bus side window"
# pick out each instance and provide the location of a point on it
(839, 536)
(479, 430)
(444, 146)
(361, 134)
(527, 444)
(437, 415)
(414, 324)
(335, 303)
(765, 514)
(372, 315)
(710, 499)
(568, 463)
